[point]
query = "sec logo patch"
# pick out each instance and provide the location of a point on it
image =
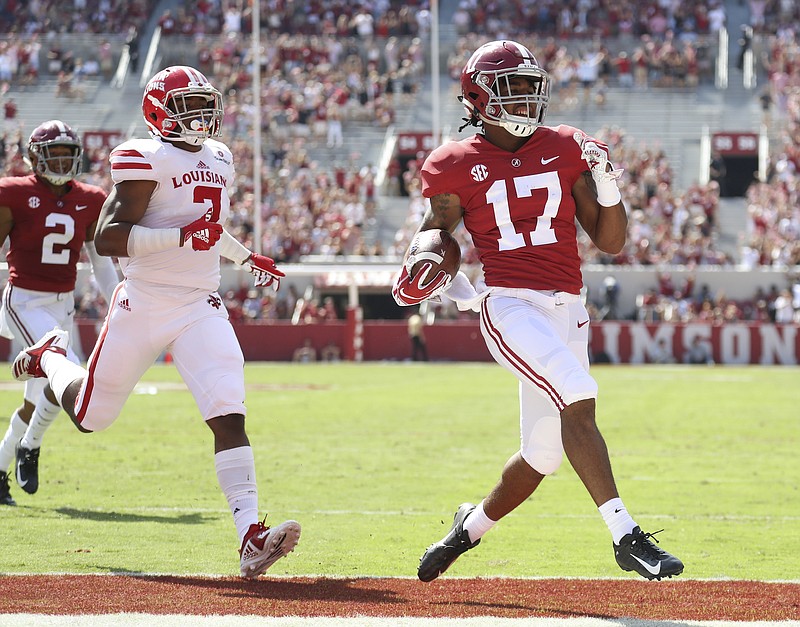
(34, 202)
(479, 173)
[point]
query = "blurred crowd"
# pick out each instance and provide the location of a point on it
(772, 236)
(331, 18)
(684, 301)
(52, 17)
(355, 63)
(605, 19)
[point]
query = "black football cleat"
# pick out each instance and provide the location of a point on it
(28, 469)
(5, 491)
(636, 552)
(438, 557)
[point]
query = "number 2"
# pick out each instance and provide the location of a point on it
(543, 233)
(51, 240)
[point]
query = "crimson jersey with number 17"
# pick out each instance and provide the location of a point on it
(518, 206)
(48, 231)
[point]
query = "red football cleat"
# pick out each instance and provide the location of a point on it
(27, 364)
(263, 546)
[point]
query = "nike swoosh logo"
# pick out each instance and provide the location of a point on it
(80, 207)
(546, 161)
(582, 324)
(653, 570)
(21, 484)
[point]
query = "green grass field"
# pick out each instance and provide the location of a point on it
(373, 459)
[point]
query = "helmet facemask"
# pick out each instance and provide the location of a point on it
(57, 169)
(497, 84)
(194, 126)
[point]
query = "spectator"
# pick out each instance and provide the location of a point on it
(328, 310)
(784, 307)
(333, 115)
(106, 55)
(663, 353)
(305, 354)
(699, 352)
(132, 41)
(10, 115)
(624, 70)
(416, 333)
(330, 352)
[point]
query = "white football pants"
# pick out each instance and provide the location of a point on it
(27, 315)
(143, 321)
(542, 338)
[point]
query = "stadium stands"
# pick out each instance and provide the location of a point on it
(651, 91)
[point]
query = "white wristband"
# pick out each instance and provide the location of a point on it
(142, 241)
(231, 248)
(104, 271)
(608, 193)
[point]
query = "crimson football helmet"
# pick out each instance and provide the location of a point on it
(486, 89)
(166, 111)
(58, 169)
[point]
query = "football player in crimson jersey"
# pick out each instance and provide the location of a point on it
(520, 187)
(47, 216)
(164, 217)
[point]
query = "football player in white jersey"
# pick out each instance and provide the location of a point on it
(164, 220)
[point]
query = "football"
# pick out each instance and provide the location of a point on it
(438, 247)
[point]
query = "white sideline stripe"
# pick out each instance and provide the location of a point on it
(312, 576)
(349, 512)
(178, 620)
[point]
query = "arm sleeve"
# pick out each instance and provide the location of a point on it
(233, 249)
(104, 271)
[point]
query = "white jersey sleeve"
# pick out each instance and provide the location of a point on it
(189, 185)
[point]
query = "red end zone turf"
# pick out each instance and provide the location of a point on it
(457, 598)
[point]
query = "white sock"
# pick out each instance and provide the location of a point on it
(8, 447)
(43, 416)
(236, 473)
(61, 372)
(478, 523)
(617, 518)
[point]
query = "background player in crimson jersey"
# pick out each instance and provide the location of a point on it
(519, 187)
(47, 216)
(165, 216)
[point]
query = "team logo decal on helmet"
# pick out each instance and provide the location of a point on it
(168, 113)
(59, 166)
(487, 94)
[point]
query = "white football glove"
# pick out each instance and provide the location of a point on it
(596, 158)
(605, 180)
